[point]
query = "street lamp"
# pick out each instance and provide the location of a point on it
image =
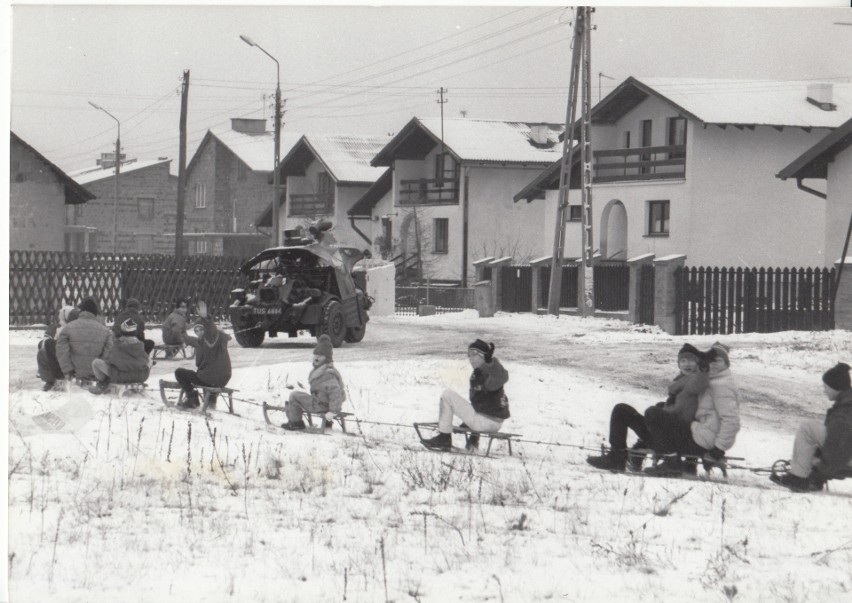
(117, 170)
(276, 178)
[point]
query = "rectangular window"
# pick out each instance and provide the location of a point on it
(575, 213)
(201, 246)
(324, 183)
(145, 206)
(658, 218)
(445, 168)
(441, 234)
(241, 170)
(676, 136)
(627, 139)
(200, 196)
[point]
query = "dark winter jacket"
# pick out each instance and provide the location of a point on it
(174, 328)
(128, 361)
(124, 315)
(836, 452)
(486, 390)
(80, 342)
(211, 354)
(684, 392)
(327, 386)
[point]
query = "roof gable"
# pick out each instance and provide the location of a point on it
(257, 151)
(364, 206)
(813, 163)
(346, 158)
(75, 194)
(97, 173)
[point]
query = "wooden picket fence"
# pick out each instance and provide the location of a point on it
(711, 301)
(40, 282)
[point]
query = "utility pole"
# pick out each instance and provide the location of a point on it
(276, 178)
(181, 192)
(441, 102)
(565, 171)
(586, 303)
(117, 172)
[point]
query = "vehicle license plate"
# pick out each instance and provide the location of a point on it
(268, 311)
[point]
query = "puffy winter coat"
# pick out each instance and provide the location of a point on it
(684, 392)
(717, 418)
(80, 342)
(836, 452)
(486, 390)
(128, 361)
(327, 386)
(174, 328)
(124, 315)
(211, 354)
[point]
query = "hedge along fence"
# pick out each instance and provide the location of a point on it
(40, 282)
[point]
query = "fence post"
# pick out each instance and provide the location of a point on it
(635, 265)
(497, 281)
(483, 299)
(536, 266)
(843, 298)
(479, 268)
(665, 291)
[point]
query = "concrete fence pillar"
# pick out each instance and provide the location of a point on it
(664, 291)
(635, 265)
(537, 266)
(497, 280)
(483, 299)
(843, 299)
(479, 268)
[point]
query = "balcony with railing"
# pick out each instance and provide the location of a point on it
(425, 191)
(640, 164)
(313, 204)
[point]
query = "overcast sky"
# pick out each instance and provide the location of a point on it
(358, 69)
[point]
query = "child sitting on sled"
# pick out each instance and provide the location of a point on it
(488, 406)
(327, 391)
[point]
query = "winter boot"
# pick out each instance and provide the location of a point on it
(472, 442)
(690, 467)
(294, 425)
(793, 482)
(442, 441)
(671, 466)
(636, 458)
(190, 402)
(48, 386)
(99, 387)
(607, 462)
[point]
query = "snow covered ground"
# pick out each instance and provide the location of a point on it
(131, 501)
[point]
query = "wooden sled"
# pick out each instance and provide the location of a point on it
(170, 352)
(498, 435)
(172, 394)
(339, 417)
(656, 457)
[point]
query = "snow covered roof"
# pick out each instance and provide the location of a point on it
(476, 140)
(75, 193)
(813, 163)
(255, 150)
(346, 157)
(734, 102)
(95, 173)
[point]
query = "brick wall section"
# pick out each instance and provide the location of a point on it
(36, 203)
(135, 234)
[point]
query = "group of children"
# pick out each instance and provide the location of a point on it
(699, 421)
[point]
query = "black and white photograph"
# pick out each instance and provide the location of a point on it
(430, 303)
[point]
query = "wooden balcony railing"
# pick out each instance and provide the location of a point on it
(423, 191)
(314, 204)
(641, 163)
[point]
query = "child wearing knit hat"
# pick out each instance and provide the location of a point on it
(327, 390)
(488, 406)
(822, 450)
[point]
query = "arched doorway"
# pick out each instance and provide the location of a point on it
(613, 244)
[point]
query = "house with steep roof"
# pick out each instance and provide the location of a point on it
(687, 166)
(228, 185)
(44, 203)
(324, 175)
(145, 210)
(446, 198)
(828, 164)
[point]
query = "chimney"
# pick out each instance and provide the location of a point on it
(248, 126)
(822, 95)
(539, 134)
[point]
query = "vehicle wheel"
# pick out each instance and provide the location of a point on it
(355, 334)
(250, 337)
(333, 323)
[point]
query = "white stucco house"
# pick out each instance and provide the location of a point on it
(687, 166)
(448, 191)
(324, 175)
(828, 166)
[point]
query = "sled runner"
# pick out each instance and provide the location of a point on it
(172, 394)
(339, 417)
(499, 435)
(170, 352)
(781, 469)
(638, 455)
